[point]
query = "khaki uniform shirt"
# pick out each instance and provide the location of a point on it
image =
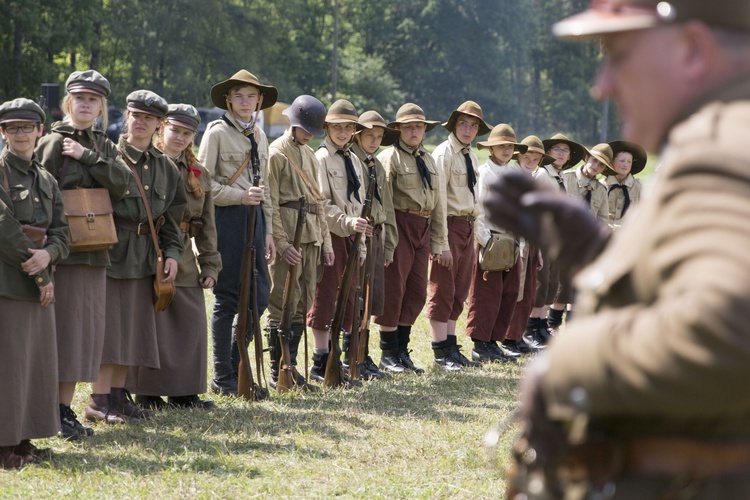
(100, 166)
(578, 185)
(287, 186)
(222, 151)
(341, 211)
(661, 340)
(382, 211)
(34, 199)
(617, 197)
(488, 172)
(133, 257)
(201, 210)
(410, 194)
(548, 175)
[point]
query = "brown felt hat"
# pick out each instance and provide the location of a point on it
(613, 16)
(577, 152)
(535, 145)
(639, 155)
(145, 101)
(342, 111)
(411, 113)
(371, 119)
(21, 110)
(603, 153)
(90, 81)
(184, 115)
(242, 77)
(502, 134)
(469, 108)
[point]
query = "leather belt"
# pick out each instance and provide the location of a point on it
(139, 228)
(467, 218)
(421, 213)
(312, 208)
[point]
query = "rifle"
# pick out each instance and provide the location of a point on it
(334, 374)
(287, 373)
(362, 316)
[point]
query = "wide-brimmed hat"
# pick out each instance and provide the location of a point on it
(534, 145)
(639, 155)
(184, 115)
(502, 134)
(577, 152)
(370, 119)
(469, 108)
(342, 111)
(21, 110)
(89, 81)
(603, 153)
(242, 77)
(613, 16)
(145, 101)
(411, 113)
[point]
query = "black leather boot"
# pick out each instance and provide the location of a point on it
(274, 354)
(318, 370)
(390, 361)
(298, 331)
(554, 319)
(225, 379)
(445, 356)
(542, 330)
(465, 362)
(404, 332)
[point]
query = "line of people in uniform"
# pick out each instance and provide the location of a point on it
(426, 207)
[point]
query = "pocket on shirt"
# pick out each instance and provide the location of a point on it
(408, 179)
(337, 179)
(459, 176)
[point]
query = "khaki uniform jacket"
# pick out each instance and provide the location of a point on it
(201, 210)
(617, 197)
(661, 340)
(382, 211)
(409, 193)
(100, 166)
(577, 185)
(222, 151)
(287, 185)
(133, 257)
(34, 199)
(488, 173)
(456, 198)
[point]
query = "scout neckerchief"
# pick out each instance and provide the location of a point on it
(627, 196)
(556, 176)
(252, 154)
(352, 181)
(370, 162)
(472, 176)
(424, 172)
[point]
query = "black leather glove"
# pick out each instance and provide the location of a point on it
(562, 226)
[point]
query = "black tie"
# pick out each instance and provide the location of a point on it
(627, 197)
(254, 158)
(352, 181)
(560, 182)
(472, 176)
(370, 162)
(589, 189)
(424, 172)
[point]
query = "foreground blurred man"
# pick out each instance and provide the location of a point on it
(645, 395)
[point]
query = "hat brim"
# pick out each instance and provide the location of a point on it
(593, 23)
(87, 88)
(390, 135)
(431, 124)
(577, 152)
(220, 90)
(180, 123)
(602, 159)
(640, 158)
(450, 125)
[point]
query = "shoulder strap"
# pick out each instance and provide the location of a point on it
(241, 169)
(313, 191)
(145, 203)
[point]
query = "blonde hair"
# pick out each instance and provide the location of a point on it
(67, 108)
(194, 186)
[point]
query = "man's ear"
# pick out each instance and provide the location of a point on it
(700, 50)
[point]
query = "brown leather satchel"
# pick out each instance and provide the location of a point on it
(89, 213)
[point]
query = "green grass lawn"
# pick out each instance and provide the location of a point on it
(408, 437)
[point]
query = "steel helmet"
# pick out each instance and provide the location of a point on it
(308, 113)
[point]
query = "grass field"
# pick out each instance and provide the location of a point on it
(408, 437)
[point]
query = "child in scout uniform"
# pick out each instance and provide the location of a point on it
(30, 201)
(373, 133)
(230, 148)
(582, 182)
(293, 173)
(342, 183)
(567, 154)
(182, 326)
(130, 324)
(451, 278)
(493, 294)
(79, 156)
(521, 336)
(415, 182)
(623, 189)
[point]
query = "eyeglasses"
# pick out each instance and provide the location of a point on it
(14, 129)
(560, 150)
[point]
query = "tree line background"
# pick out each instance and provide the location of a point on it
(436, 53)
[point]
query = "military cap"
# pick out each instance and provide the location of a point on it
(145, 101)
(534, 145)
(90, 81)
(502, 134)
(639, 155)
(220, 91)
(370, 119)
(411, 113)
(603, 153)
(184, 115)
(469, 108)
(21, 110)
(613, 16)
(577, 152)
